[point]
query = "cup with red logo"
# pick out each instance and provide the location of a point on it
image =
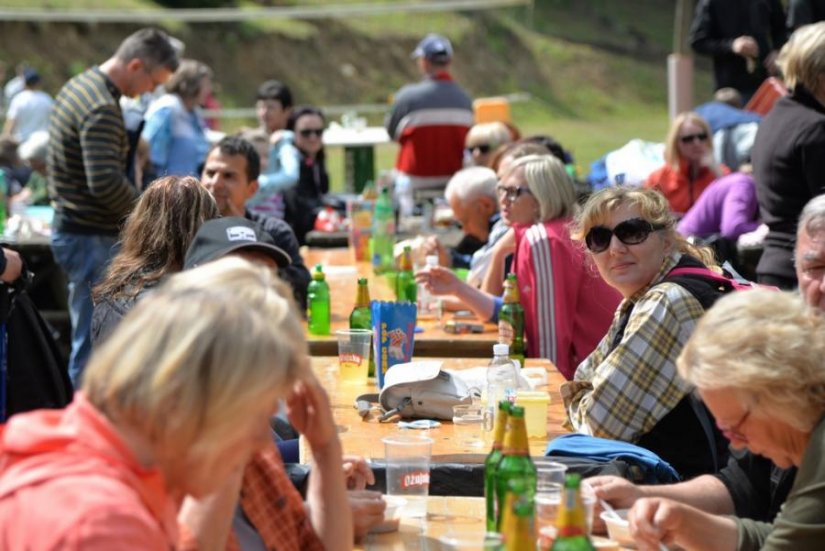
(354, 354)
(408, 471)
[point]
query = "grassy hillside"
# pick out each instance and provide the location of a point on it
(595, 69)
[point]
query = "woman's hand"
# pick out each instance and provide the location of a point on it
(309, 412)
(432, 246)
(438, 280)
(654, 521)
(358, 473)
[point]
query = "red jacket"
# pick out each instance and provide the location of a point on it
(676, 186)
(430, 120)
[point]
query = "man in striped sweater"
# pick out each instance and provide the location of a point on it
(87, 160)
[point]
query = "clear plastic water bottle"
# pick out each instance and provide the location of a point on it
(502, 382)
(429, 305)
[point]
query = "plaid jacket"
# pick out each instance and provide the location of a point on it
(622, 392)
(273, 506)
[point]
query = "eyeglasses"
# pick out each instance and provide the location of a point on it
(511, 193)
(483, 149)
(693, 137)
(307, 132)
(733, 432)
(630, 232)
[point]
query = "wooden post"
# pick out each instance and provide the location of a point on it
(680, 62)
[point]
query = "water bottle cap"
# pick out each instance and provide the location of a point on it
(431, 260)
(501, 349)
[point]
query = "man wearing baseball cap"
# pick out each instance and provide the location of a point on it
(219, 237)
(429, 120)
(231, 173)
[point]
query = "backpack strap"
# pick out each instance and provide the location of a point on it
(707, 427)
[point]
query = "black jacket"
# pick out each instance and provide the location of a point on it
(718, 22)
(296, 274)
(789, 169)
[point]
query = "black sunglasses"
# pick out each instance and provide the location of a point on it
(307, 132)
(691, 137)
(630, 232)
(482, 148)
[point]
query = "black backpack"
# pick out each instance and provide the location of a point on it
(36, 374)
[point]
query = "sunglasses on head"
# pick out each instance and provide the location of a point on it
(693, 137)
(307, 132)
(482, 148)
(630, 232)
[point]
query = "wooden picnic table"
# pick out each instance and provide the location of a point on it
(363, 436)
(342, 273)
(447, 516)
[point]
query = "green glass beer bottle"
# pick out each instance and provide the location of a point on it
(518, 528)
(571, 524)
(361, 316)
(318, 305)
(491, 465)
(511, 320)
(405, 286)
(515, 461)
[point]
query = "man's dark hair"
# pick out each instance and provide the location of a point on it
(152, 46)
(275, 90)
(235, 145)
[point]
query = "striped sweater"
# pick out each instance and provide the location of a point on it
(88, 151)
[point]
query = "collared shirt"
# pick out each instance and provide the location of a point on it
(274, 507)
(622, 392)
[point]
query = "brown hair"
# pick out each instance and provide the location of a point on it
(156, 234)
(653, 207)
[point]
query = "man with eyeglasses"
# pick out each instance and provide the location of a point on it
(87, 163)
(429, 120)
(749, 486)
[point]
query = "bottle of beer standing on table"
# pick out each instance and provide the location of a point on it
(491, 465)
(405, 286)
(515, 461)
(518, 527)
(571, 522)
(318, 305)
(511, 320)
(361, 316)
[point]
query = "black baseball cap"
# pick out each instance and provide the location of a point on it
(220, 236)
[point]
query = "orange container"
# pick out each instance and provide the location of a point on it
(491, 110)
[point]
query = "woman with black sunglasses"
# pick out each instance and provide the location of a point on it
(303, 201)
(689, 163)
(628, 388)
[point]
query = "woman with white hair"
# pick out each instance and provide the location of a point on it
(173, 404)
(756, 359)
(789, 152)
(567, 306)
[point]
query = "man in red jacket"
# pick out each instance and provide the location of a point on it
(429, 120)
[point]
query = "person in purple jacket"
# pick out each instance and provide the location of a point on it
(728, 208)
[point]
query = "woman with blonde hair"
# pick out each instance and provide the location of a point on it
(484, 139)
(173, 404)
(689, 163)
(756, 360)
(567, 306)
(153, 244)
(175, 129)
(789, 152)
(628, 389)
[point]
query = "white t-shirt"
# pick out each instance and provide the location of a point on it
(30, 110)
